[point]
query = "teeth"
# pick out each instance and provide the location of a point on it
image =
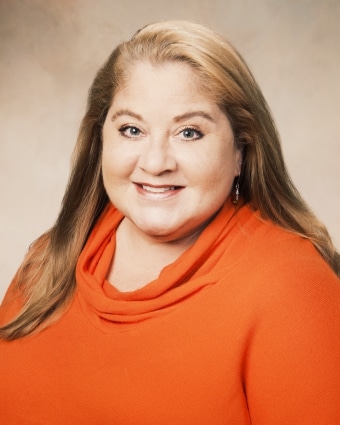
(158, 189)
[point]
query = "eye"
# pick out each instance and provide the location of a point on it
(130, 131)
(190, 133)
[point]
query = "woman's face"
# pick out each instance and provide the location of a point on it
(169, 159)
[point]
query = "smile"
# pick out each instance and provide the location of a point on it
(154, 192)
(158, 189)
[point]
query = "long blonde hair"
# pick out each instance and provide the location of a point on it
(47, 275)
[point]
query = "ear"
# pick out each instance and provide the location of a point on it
(238, 162)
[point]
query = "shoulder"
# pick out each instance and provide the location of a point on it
(268, 247)
(276, 267)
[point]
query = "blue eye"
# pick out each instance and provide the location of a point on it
(191, 134)
(130, 131)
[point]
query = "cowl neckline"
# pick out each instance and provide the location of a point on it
(190, 273)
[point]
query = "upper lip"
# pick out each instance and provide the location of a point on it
(156, 186)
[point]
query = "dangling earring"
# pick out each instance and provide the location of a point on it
(237, 191)
(237, 186)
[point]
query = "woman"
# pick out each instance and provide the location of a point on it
(185, 280)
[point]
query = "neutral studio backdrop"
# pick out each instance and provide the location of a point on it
(51, 49)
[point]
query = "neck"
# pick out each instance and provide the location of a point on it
(145, 245)
(139, 258)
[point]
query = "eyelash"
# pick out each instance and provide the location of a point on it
(198, 136)
(123, 131)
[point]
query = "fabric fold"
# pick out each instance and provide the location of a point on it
(177, 281)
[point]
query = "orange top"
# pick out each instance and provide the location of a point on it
(244, 328)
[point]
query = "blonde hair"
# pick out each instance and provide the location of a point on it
(47, 275)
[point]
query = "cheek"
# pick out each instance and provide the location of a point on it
(222, 175)
(218, 166)
(116, 162)
(108, 163)
(212, 181)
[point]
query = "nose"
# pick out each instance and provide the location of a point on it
(157, 158)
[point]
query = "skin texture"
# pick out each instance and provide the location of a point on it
(162, 133)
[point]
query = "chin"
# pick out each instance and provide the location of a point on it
(157, 231)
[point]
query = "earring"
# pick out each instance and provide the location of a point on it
(237, 192)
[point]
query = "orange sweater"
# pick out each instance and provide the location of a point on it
(244, 328)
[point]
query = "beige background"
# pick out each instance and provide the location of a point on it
(51, 49)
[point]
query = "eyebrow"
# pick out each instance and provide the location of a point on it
(193, 114)
(126, 112)
(179, 118)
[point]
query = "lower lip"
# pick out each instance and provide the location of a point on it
(158, 195)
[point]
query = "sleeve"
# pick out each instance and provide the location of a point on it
(292, 373)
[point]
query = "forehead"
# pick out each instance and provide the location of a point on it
(168, 79)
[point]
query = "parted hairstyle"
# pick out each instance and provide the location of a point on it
(46, 278)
